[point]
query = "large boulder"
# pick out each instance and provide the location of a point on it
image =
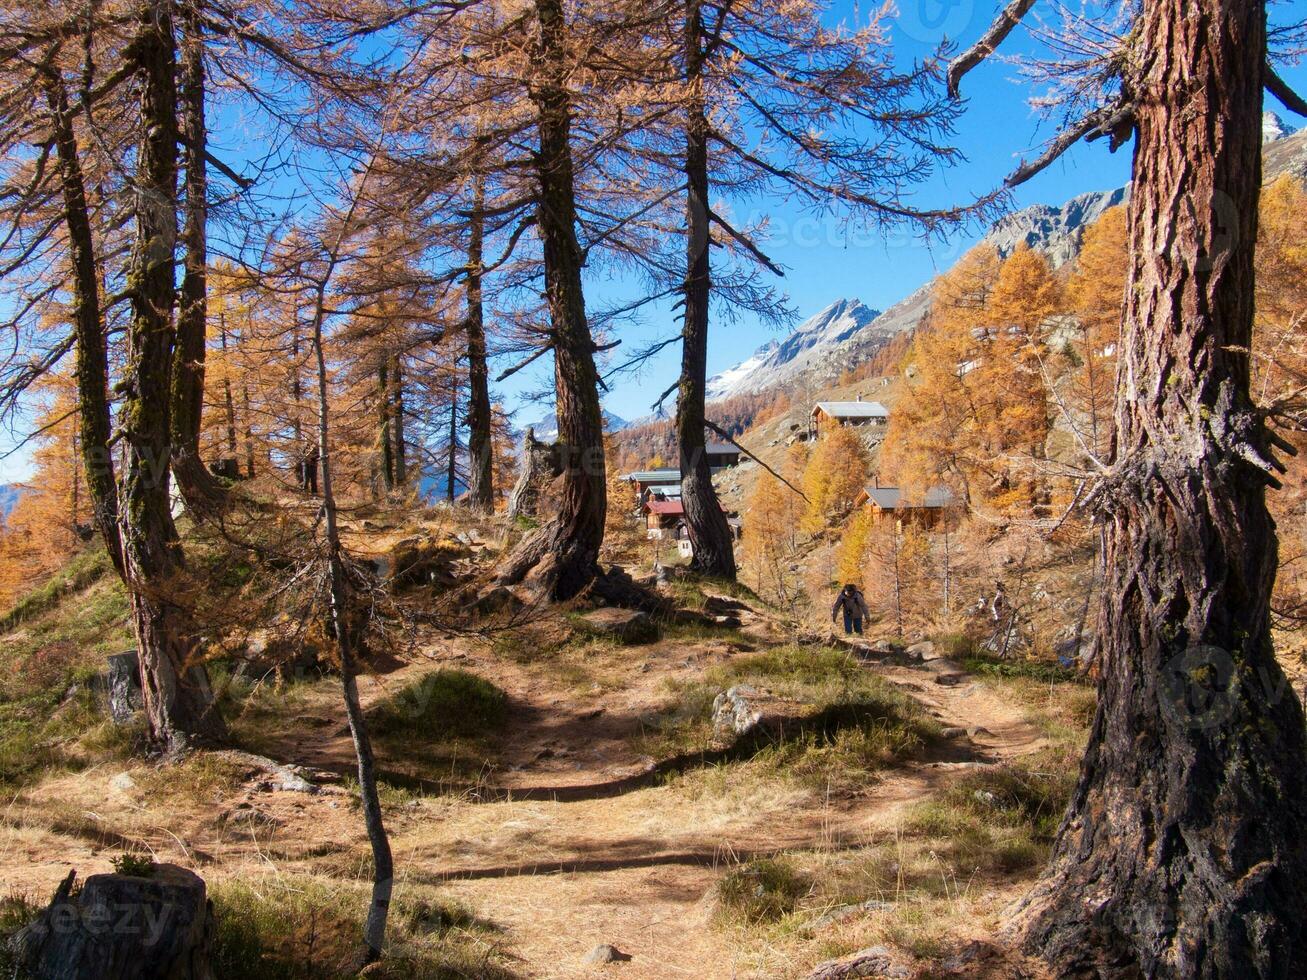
(630, 627)
(156, 926)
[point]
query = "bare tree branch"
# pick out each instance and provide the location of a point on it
(731, 439)
(998, 31)
(1290, 99)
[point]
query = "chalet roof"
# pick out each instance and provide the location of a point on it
(853, 410)
(664, 478)
(668, 508)
(654, 476)
(890, 498)
(721, 448)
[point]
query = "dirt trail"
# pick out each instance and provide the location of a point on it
(560, 871)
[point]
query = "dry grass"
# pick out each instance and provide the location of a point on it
(288, 926)
(944, 871)
(856, 723)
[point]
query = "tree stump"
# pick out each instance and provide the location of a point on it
(540, 467)
(124, 687)
(122, 927)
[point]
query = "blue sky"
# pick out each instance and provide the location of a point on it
(821, 266)
(997, 130)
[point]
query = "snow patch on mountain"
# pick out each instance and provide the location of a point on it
(546, 429)
(777, 362)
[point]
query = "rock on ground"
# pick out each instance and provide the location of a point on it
(604, 953)
(733, 712)
(874, 961)
(628, 626)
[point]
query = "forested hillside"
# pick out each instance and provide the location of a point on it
(962, 639)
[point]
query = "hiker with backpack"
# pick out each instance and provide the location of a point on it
(854, 606)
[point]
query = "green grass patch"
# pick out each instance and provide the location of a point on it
(82, 570)
(442, 704)
(442, 727)
(1037, 670)
(763, 890)
(59, 637)
(853, 723)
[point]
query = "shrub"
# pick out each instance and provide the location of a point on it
(442, 703)
(763, 890)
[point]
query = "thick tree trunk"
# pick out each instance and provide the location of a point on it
(92, 353)
(710, 534)
(1182, 853)
(178, 701)
(203, 494)
(480, 482)
(562, 556)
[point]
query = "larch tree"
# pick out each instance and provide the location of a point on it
(1181, 851)
(836, 472)
(1095, 293)
(845, 128)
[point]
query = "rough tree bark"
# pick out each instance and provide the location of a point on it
(178, 700)
(92, 353)
(202, 493)
(710, 534)
(1182, 853)
(480, 483)
(562, 556)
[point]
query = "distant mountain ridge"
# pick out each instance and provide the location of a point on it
(847, 333)
(546, 429)
(801, 351)
(9, 495)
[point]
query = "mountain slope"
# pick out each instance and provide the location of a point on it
(546, 429)
(775, 363)
(847, 333)
(9, 495)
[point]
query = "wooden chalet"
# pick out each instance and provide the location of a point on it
(824, 415)
(925, 511)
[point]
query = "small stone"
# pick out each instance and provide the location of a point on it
(979, 732)
(953, 732)
(604, 953)
(950, 680)
(123, 782)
